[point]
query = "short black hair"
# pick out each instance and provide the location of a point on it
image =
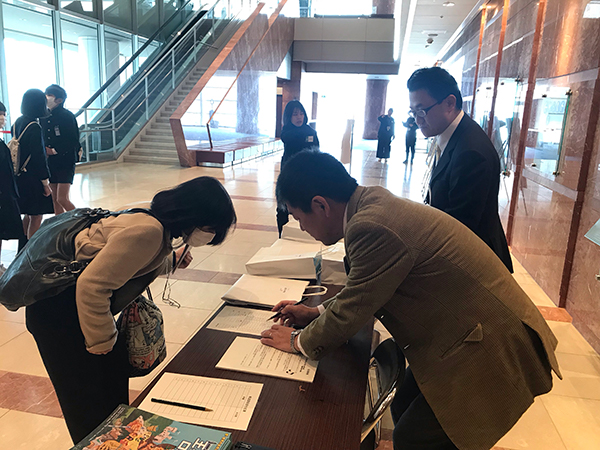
(311, 173)
(288, 112)
(200, 202)
(2, 107)
(57, 91)
(438, 83)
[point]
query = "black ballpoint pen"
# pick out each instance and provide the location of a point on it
(182, 405)
(278, 314)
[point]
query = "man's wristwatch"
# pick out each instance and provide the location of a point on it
(293, 339)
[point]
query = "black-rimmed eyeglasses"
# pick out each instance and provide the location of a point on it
(423, 112)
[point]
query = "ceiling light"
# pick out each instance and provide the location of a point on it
(592, 10)
(448, 4)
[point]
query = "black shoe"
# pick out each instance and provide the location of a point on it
(406, 161)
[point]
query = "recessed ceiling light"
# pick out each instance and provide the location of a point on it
(448, 4)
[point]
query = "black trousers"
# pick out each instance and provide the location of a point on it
(89, 387)
(415, 425)
(283, 217)
(410, 149)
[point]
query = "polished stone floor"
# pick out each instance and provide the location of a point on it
(567, 418)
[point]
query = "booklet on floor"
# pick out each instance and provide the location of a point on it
(129, 427)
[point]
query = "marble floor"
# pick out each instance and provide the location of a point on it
(566, 419)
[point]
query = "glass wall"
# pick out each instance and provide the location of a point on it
(29, 51)
(83, 7)
(81, 62)
(118, 13)
(147, 17)
(118, 47)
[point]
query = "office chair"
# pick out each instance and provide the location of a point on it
(386, 371)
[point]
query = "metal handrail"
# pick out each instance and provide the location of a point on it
(130, 61)
(169, 54)
(281, 4)
(177, 52)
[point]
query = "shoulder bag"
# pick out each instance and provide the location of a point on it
(46, 266)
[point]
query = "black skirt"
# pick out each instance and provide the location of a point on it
(62, 169)
(31, 196)
(11, 226)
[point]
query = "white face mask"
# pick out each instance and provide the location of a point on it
(198, 238)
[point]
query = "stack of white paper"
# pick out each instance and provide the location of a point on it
(264, 291)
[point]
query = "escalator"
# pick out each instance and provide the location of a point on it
(107, 130)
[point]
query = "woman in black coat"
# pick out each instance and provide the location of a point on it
(11, 226)
(385, 135)
(296, 135)
(33, 175)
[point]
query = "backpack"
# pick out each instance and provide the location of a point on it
(14, 145)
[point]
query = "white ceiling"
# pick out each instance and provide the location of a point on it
(431, 17)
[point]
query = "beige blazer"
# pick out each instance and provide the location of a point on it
(478, 347)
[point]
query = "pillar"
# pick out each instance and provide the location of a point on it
(374, 105)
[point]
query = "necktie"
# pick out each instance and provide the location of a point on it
(437, 152)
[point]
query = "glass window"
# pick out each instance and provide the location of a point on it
(118, 49)
(81, 62)
(29, 53)
(147, 17)
(118, 13)
(84, 7)
(148, 51)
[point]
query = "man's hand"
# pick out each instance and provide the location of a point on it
(292, 314)
(50, 151)
(278, 337)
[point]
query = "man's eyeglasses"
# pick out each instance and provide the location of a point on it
(423, 112)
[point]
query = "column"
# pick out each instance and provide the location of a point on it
(374, 104)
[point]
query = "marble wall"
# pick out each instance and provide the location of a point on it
(552, 211)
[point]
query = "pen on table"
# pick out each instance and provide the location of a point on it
(182, 405)
(278, 314)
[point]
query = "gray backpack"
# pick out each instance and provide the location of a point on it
(14, 145)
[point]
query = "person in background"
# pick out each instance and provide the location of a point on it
(75, 331)
(478, 349)
(296, 136)
(411, 139)
(385, 135)
(465, 178)
(33, 176)
(11, 226)
(61, 136)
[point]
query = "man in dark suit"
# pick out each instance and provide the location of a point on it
(465, 178)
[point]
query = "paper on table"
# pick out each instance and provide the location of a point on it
(249, 355)
(264, 291)
(241, 320)
(232, 402)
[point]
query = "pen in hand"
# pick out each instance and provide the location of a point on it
(277, 315)
(181, 405)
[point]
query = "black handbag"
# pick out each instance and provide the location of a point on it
(46, 266)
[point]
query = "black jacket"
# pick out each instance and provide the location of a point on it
(32, 144)
(295, 139)
(465, 184)
(61, 132)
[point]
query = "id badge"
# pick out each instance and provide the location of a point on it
(56, 130)
(310, 139)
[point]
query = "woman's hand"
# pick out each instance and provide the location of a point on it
(98, 353)
(47, 190)
(292, 314)
(187, 259)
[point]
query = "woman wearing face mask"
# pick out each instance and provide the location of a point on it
(296, 136)
(75, 331)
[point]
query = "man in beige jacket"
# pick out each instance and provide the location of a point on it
(478, 349)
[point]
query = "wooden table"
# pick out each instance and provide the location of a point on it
(292, 415)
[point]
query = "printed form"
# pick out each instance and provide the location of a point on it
(241, 320)
(249, 355)
(232, 402)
